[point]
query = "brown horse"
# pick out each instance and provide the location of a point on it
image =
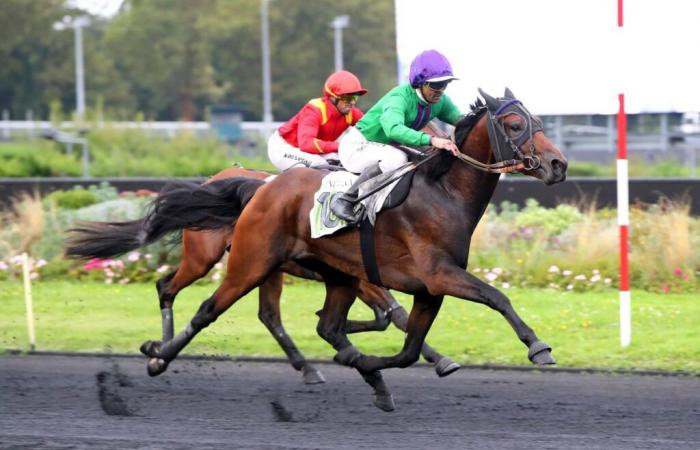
(421, 246)
(202, 249)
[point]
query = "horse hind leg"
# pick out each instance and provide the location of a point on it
(200, 252)
(269, 314)
(340, 295)
(245, 271)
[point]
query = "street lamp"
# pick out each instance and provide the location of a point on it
(267, 98)
(339, 22)
(77, 24)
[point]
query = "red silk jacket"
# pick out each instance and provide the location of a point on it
(315, 128)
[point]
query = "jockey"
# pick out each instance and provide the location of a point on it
(310, 136)
(397, 117)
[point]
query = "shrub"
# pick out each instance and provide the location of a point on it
(74, 199)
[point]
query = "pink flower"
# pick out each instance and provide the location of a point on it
(94, 263)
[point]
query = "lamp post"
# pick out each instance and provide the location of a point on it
(265, 39)
(339, 22)
(77, 24)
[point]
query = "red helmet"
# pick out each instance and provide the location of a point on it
(343, 82)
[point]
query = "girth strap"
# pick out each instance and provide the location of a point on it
(369, 256)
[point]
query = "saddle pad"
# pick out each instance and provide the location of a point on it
(324, 222)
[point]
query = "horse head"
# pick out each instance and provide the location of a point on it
(518, 142)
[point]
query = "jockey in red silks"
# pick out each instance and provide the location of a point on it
(310, 137)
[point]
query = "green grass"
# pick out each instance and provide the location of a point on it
(581, 327)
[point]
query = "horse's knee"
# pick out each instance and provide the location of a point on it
(268, 318)
(205, 315)
(408, 358)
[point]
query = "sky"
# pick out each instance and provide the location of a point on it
(562, 56)
(558, 56)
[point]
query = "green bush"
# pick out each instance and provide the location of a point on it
(36, 159)
(74, 199)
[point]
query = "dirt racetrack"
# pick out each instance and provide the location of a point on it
(77, 402)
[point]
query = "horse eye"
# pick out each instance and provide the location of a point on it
(515, 126)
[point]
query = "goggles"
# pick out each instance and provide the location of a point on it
(348, 98)
(437, 86)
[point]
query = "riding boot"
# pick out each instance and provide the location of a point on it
(343, 206)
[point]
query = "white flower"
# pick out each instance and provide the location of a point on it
(607, 281)
(133, 256)
(108, 281)
(596, 271)
(553, 285)
(41, 263)
(33, 276)
(216, 276)
(569, 287)
(497, 270)
(163, 268)
(505, 285)
(147, 256)
(580, 278)
(16, 260)
(491, 276)
(124, 281)
(3, 265)
(553, 269)
(477, 270)
(219, 266)
(595, 278)
(566, 273)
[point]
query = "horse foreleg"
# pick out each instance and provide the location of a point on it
(381, 299)
(423, 313)
(456, 282)
(269, 314)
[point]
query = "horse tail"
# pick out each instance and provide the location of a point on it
(179, 205)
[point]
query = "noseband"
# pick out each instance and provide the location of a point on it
(506, 149)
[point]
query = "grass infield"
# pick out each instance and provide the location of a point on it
(582, 328)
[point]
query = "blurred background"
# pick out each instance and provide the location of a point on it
(102, 101)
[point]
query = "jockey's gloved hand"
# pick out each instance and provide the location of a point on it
(445, 144)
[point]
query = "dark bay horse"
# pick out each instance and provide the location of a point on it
(421, 246)
(201, 250)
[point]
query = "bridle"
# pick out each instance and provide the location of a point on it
(506, 149)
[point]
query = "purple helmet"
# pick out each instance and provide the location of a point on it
(430, 65)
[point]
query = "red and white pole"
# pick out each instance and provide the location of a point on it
(623, 217)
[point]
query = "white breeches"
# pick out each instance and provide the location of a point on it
(357, 153)
(284, 156)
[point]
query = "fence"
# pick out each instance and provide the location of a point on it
(515, 189)
(594, 143)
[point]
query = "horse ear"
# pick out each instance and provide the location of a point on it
(509, 94)
(491, 102)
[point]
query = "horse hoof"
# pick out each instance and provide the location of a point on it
(151, 348)
(348, 356)
(156, 366)
(540, 354)
(446, 366)
(312, 376)
(385, 402)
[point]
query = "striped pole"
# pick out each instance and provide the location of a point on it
(623, 218)
(28, 301)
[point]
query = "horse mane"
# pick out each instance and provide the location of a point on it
(441, 164)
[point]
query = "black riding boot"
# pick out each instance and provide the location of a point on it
(343, 206)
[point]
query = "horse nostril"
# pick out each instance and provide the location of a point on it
(559, 166)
